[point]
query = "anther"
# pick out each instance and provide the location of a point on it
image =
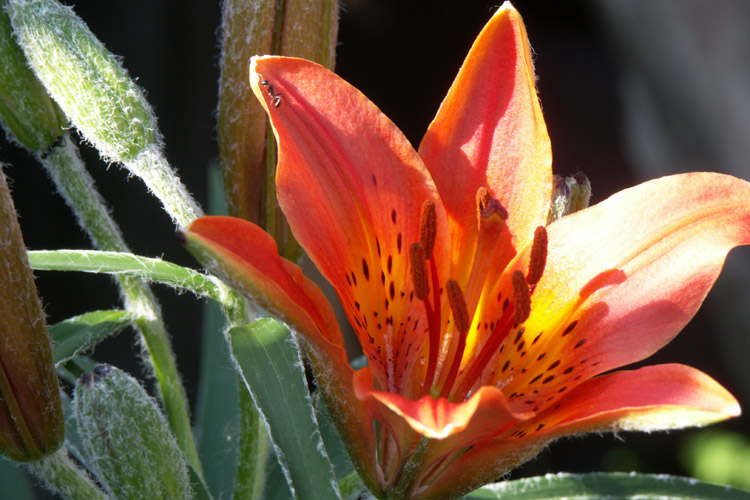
(428, 228)
(521, 298)
(419, 270)
(458, 306)
(483, 198)
(538, 258)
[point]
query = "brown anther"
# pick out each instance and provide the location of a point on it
(428, 228)
(521, 298)
(493, 209)
(419, 270)
(538, 258)
(483, 198)
(458, 306)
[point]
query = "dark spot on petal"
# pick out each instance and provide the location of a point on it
(540, 427)
(541, 356)
(579, 344)
(356, 304)
(506, 304)
(569, 328)
(398, 242)
(374, 179)
(382, 277)
(554, 365)
(520, 346)
(548, 379)
(390, 264)
(505, 366)
(392, 290)
(348, 280)
(377, 243)
(536, 338)
(535, 378)
(365, 269)
(568, 370)
(563, 389)
(518, 337)
(393, 215)
(354, 278)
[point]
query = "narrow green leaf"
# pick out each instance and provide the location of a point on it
(272, 370)
(157, 270)
(342, 464)
(200, 490)
(216, 408)
(81, 333)
(613, 486)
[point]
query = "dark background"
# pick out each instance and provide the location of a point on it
(401, 54)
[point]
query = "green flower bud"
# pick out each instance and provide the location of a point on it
(569, 195)
(297, 28)
(127, 439)
(85, 79)
(27, 113)
(31, 417)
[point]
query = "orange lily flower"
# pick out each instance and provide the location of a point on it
(487, 334)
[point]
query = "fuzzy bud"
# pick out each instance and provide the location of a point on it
(127, 439)
(84, 78)
(27, 113)
(569, 195)
(31, 417)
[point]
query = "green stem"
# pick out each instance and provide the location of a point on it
(77, 188)
(151, 166)
(61, 475)
(253, 453)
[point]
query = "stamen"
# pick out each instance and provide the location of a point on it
(428, 228)
(483, 197)
(458, 306)
(419, 270)
(493, 210)
(461, 322)
(538, 258)
(521, 298)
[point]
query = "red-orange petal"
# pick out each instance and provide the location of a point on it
(490, 132)
(661, 397)
(623, 278)
(352, 188)
(485, 414)
(246, 257)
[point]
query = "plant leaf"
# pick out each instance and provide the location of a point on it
(616, 485)
(157, 270)
(272, 370)
(81, 333)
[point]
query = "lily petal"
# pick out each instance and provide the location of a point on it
(653, 398)
(352, 188)
(246, 256)
(622, 279)
(485, 414)
(489, 132)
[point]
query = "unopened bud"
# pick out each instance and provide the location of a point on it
(31, 417)
(85, 79)
(27, 113)
(296, 28)
(569, 195)
(127, 439)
